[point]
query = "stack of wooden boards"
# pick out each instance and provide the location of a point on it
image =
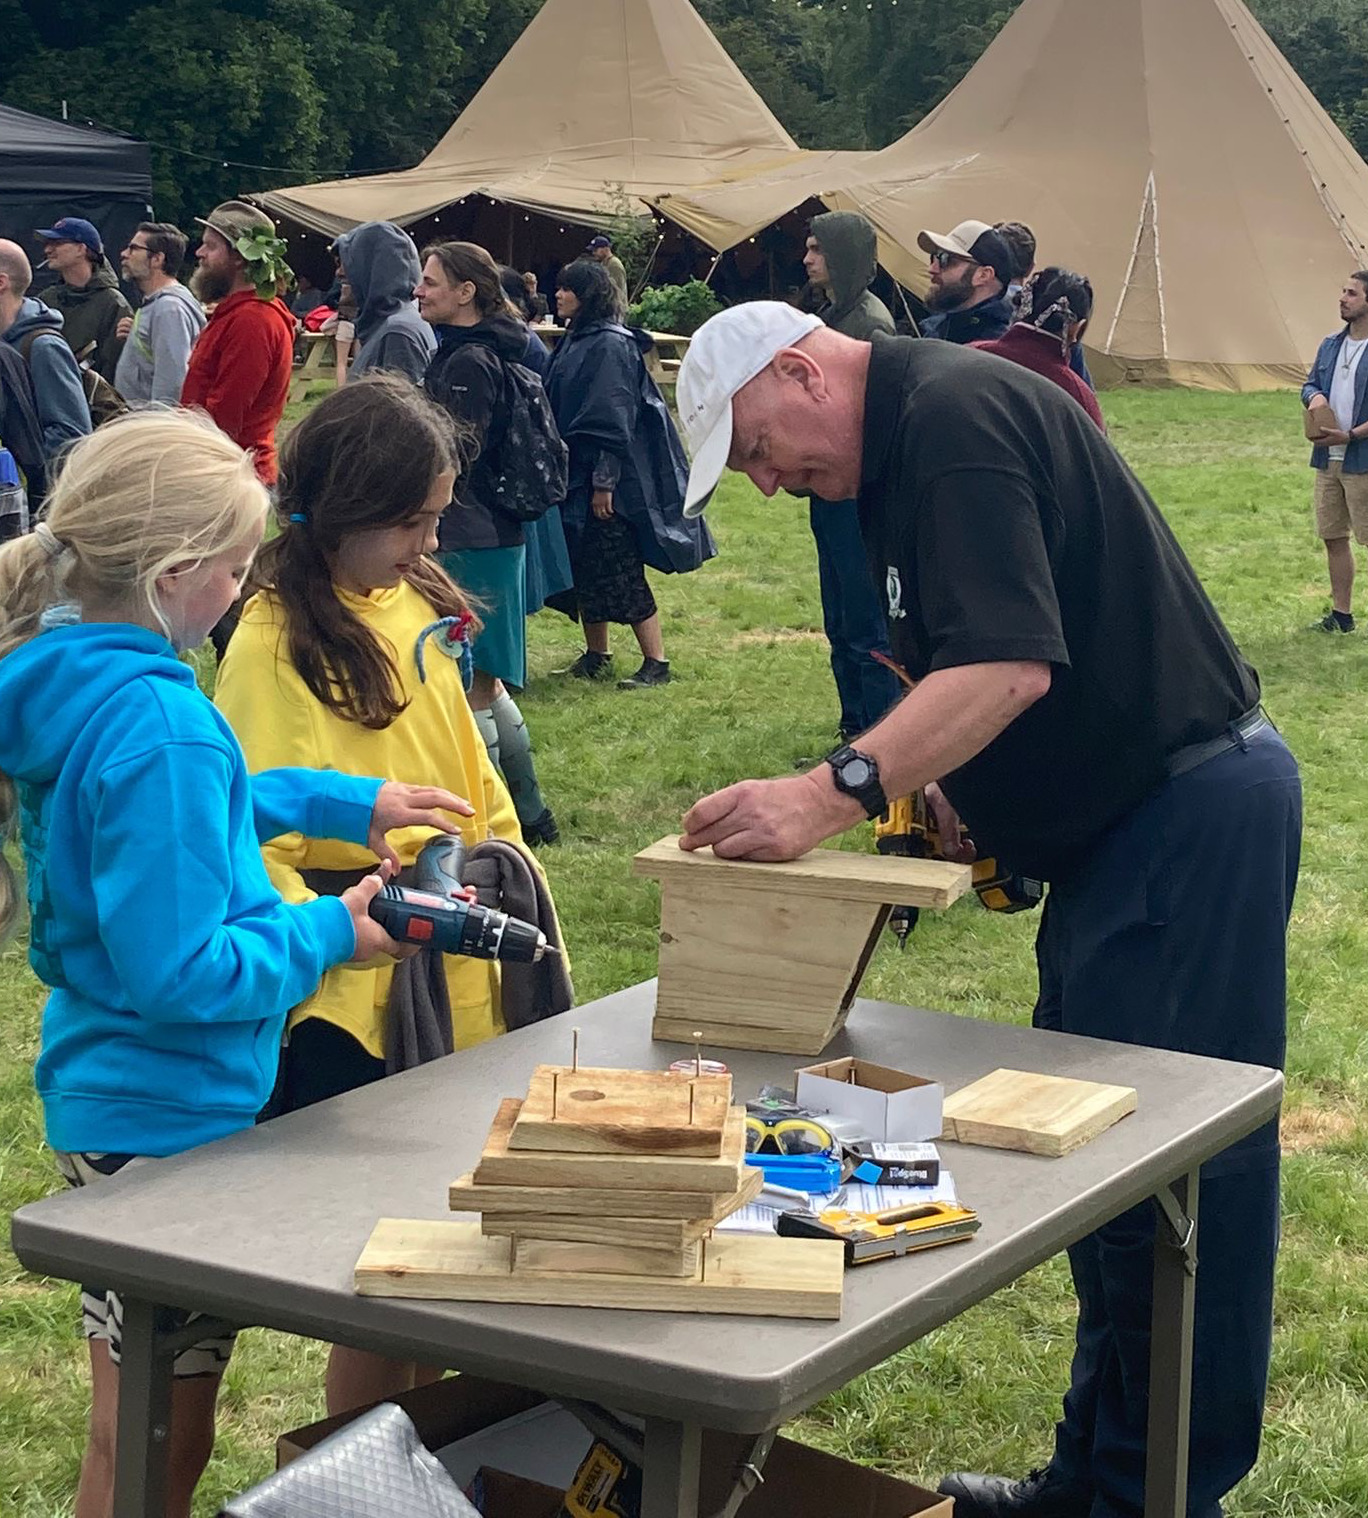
(601, 1189)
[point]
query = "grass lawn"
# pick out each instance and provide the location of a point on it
(753, 692)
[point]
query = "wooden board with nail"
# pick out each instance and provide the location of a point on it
(597, 1111)
(502, 1165)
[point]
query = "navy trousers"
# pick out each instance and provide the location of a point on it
(1173, 935)
(852, 616)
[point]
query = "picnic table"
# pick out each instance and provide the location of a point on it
(265, 1227)
(319, 362)
(662, 361)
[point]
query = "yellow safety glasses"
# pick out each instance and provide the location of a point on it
(786, 1135)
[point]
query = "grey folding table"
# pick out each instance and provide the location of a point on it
(265, 1228)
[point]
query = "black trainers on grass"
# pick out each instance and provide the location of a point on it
(589, 666)
(652, 672)
(1335, 622)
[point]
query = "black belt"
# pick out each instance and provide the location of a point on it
(1236, 735)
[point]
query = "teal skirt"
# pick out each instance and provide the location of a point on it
(493, 578)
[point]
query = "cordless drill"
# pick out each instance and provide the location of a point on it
(907, 829)
(434, 912)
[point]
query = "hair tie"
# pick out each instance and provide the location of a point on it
(52, 544)
(299, 518)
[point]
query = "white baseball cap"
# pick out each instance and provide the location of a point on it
(727, 352)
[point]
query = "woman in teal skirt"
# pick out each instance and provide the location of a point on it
(480, 545)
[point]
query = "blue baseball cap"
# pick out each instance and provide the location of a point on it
(73, 229)
(600, 242)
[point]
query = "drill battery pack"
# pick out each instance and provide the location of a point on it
(605, 1486)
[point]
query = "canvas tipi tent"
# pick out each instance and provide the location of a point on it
(1163, 147)
(595, 95)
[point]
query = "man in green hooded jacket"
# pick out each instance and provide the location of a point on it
(841, 259)
(87, 292)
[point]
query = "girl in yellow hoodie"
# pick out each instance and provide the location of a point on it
(349, 658)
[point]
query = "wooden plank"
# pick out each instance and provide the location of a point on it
(632, 1231)
(593, 1202)
(643, 1234)
(597, 1111)
(773, 1040)
(832, 874)
(783, 962)
(1037, 1114)
(559, 1257)
(759, 1275)
(613, 1172)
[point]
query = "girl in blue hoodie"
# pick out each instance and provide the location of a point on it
(141, 827)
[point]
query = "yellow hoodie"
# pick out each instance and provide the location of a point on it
(433, 741)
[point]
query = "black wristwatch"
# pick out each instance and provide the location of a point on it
(857, 775)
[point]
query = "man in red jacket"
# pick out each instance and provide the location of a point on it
(240, 367)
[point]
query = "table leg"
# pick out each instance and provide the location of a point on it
(144, 1414)
(669, 1485)
(1170, 1388)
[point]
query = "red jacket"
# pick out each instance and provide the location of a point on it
(240, 373)
(1033, 349)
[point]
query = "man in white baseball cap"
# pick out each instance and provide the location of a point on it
(1080, 704)
(732, 354)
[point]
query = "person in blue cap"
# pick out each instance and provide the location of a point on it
(88, 295)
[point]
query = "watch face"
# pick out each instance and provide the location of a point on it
(855, 772)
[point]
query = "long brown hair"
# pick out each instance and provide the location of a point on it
(463, 261)
(365, 457)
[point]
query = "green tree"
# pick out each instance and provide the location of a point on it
(256, 93)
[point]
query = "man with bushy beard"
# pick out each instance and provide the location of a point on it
(970, 271)
(240, 367)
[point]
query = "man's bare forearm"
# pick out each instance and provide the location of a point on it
(952, 715)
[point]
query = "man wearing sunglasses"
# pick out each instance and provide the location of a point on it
(154, 360)
(971, 268)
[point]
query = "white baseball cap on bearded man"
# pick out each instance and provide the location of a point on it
(726, 353)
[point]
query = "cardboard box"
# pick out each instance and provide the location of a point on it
(893, 1106)
(800, 1482)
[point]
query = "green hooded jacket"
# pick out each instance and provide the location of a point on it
(850, 247)
(89, 317)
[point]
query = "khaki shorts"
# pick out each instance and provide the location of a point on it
(1341, 503)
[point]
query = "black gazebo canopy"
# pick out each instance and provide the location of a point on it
(54, 168)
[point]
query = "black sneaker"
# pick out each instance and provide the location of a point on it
(1043, 1494)
(541, 831)
(1335, 622)
(589, 666)
(652, 672)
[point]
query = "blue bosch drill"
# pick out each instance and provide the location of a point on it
(434, 912)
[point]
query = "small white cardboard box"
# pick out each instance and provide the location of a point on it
(894, 1107)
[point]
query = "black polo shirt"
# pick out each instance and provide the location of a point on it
(1004, 526)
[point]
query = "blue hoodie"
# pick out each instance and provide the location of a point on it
(58, 393)
(171, 957)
